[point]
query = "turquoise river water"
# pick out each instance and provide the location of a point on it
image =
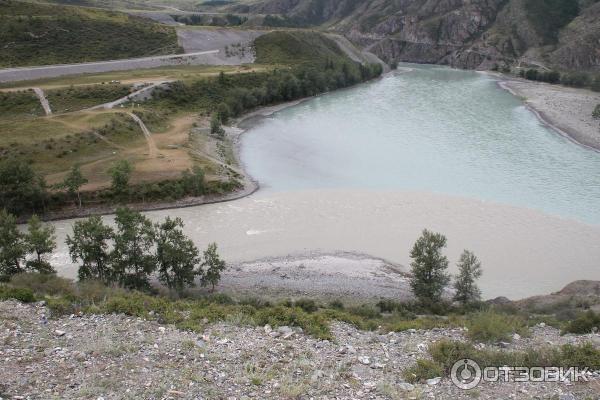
(430, 129)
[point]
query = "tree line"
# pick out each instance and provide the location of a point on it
(24, 192)
(575, 79)
(127, 255)
(238, 93)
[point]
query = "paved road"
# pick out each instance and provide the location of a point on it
(49, 71)
(43, 100)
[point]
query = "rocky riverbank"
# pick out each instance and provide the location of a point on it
(567, 110)
(120, 357)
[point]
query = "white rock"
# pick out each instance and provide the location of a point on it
(433, 381)
(364, 360)
(268, 329)
(162, 329)
(407, 387)
(58, 332)
(516, 336)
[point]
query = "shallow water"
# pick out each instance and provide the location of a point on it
(431, 129)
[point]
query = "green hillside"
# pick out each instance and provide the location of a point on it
(40, 34)
(296, 47)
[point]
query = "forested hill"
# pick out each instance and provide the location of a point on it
(39, 34)
(562, 34)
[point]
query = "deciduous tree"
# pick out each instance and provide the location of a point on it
(90, 245)
(74, 181)
(212, 267)
(40, 240)
(469, 270)
(120, 174)
(429, 265)
(132, 258)
(177, 257)
(12, 246)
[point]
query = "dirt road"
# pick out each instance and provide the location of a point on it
(152, 149)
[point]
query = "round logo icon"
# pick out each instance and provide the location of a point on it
(465, 374)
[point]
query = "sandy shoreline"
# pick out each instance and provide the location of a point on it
(566, 110)
(524, 252)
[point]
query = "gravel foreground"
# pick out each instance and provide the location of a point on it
(119, 357)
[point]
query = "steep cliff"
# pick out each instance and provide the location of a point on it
(477, 34)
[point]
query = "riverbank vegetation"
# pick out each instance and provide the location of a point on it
(125, 256)
(313, 64)
(40, 34)
(576, 79)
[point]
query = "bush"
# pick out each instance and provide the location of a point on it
(337, 305)
(21, 294)
(43, 284)
(445, 353)
(61, 306)
(313, 324)
(490, 326)
(425, 323)
(307, 305)
(588, 322)
(596, 112)
(424, 369)
(576, 79)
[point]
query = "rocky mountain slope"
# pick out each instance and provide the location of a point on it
(121, 357)
(481, 34)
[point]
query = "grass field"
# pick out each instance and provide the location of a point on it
(40, 34)
(18, 105)
(78, 98)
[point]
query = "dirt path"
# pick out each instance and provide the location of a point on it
(43, 100)
(152, 149)
(140, 94)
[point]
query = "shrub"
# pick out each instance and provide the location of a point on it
(424, 369)
(61, 306)
(446, 352)
(365, 311)
(585, 323)
(21, 294)
(43, 284)
(337, 305)
(312, 324)
(307, 305)
(490, 326)
(424, 323)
